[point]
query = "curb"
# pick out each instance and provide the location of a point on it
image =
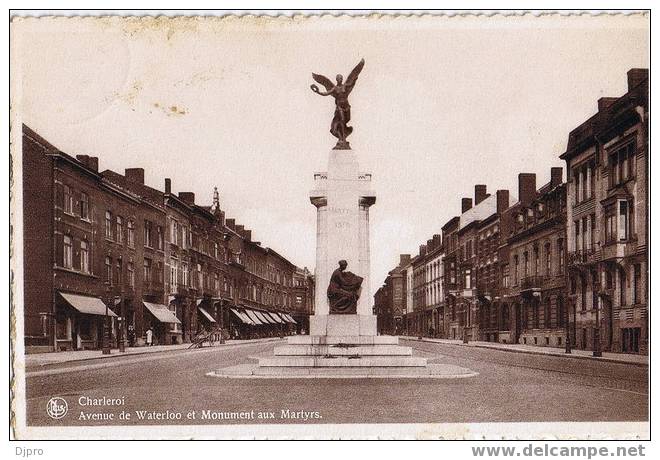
(532, 352)
(36, 367)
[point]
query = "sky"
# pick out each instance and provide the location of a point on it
(442, 104)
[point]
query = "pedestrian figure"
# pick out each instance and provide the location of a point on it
(150, 337)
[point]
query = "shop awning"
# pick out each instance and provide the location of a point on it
(162, 313)
(284, 318)
(290, 318)
(87, 305)
(206, 314)
(276, 317)
(264, 319)
(255, 319)
(245, 319)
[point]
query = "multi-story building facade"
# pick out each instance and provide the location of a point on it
(534, 306)
(606, 161)
(434, 304)
(488, 271)
(390, 300)
(475, 222)
(104, 252)
(452, 324)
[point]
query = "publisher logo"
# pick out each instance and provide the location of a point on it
(57, 408)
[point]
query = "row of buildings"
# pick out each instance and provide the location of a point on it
(101, 245)
(564, 261)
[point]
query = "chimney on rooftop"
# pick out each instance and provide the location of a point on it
(187, 197)
(502, 201)
(480, 194)
(168, 185)
(466, 204)
(135, 175)
(636, 76)
(526, 188)
(556, 176)
(404, 259)
(605, 102)
(422, 249)
(230, 223)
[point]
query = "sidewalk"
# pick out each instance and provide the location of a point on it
(624, 358)
(44, 359)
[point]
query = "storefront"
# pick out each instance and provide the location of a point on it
(79, 322)
(164, 324)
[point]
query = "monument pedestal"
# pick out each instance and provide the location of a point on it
(342, 345)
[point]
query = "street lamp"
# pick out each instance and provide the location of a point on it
(105, 347)
(567, 319)
(120, 324)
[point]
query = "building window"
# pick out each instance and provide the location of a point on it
(184, 274)
(68, 200)
(130, 234)
(584, 294)
(623, 220)
(560, 252)
(84, 257)
(578, 241)
(174, 272)
(561, 312)
(161, 237)
(622, 164)
(537, 260)
(68, 252)
(147, 271)
(526, 264)
(468, 279)
(184, 237)
(159, 272)
(622, 287)
(505, 276)
(118, 272)
(120, 230)
(516, 270)
(108, 225)
(174, 232)
(610, 223)
(84, 206)
(548, 260)
(637, 280)
(131, 274)
(108, 270)
(148, 234)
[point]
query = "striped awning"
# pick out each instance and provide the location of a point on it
(245, 319)
(255, 319)
(206, 314)
(87, 305)
(162, 313)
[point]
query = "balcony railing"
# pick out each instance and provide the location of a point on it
(584, 256)
(531, 283)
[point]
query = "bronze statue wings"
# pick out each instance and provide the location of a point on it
(353, 76)
(350, 81)
(325, 81)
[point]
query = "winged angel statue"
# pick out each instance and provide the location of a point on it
(340, 91)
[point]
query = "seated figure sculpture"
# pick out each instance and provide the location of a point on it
(344, 290)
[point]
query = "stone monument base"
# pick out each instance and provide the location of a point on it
(342, 356)
(342, 325)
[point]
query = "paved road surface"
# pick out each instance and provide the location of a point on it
(510, 387)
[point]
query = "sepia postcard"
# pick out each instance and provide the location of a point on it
(330, 226)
